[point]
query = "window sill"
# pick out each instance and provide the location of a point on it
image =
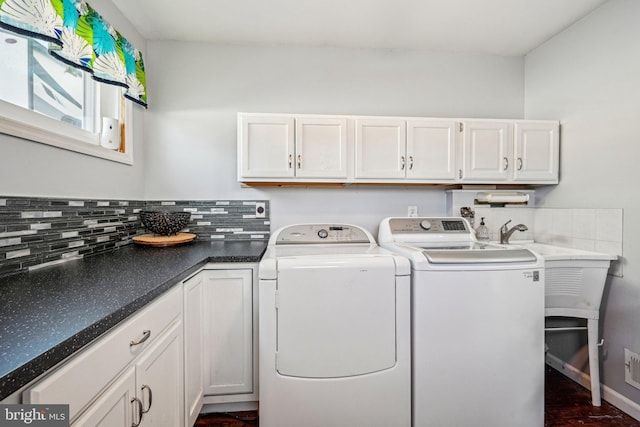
(36, 127)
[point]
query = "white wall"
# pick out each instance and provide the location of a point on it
(197, 90)
(33, 169)
(588, 78)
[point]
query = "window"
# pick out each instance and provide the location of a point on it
(44, 100)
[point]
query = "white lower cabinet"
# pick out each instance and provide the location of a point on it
(159, 381)
(193, 349)
(195, 345)
(228, 323)
(134, 375)
(114, 407)
(221, 336)
(146, 394)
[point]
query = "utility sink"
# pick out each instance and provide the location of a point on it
(553, 253)
(574, 279)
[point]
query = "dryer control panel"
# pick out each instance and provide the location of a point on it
(322, 233)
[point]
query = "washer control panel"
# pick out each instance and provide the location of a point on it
(322, 233)
(428, 225)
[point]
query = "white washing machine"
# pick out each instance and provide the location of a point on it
(334, 330)
(477, 325)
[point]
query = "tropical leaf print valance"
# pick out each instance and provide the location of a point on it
(79, 37)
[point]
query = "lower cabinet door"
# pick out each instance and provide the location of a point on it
(228, 332)
(193, 343)
(159, 380)
(115, 407)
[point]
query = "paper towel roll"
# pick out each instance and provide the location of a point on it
(492, 198)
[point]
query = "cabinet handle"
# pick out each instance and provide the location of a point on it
(403, 162)
(134, 400)
(290, 161)
(299, 161)
(506, 163)
(142, 389)
(519, 163)
(410, 162)
(145, 336)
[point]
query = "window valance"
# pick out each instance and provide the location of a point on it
(79, 36)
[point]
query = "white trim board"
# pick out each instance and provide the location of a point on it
(616, 399)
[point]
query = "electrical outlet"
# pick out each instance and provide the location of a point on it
(260, 209)
(632, 365)
(412, 211)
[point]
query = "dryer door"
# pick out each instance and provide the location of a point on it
(336, 316)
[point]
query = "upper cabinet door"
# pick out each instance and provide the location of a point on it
(486, 151)
(431, 149)
(536, 152)
(266, 146)
(321, 147)
(380, 147)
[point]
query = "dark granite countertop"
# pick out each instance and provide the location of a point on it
(48, 314)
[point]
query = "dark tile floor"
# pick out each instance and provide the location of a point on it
(567, 404)
(235, 419)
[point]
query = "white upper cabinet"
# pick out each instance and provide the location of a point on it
(266, 146)
(380, 148)
(274, 146)
(486, 151)
(402, 150)
(431, 149)
(536, 151)
(519, 151)
(321, 147)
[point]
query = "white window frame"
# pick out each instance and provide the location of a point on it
(33, 126)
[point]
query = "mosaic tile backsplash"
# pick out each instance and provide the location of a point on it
(37, 232)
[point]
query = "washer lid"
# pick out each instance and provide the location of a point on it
(495, 255)
(313, 254)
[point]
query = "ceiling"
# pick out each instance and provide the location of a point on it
(500, 27)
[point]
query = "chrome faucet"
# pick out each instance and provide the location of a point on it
(505, 233)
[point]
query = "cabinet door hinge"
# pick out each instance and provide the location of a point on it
(277, 300)
(461, 126)
(460, 173)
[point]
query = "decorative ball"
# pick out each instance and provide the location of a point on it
(164, 223)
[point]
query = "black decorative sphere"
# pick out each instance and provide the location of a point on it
(164, 223)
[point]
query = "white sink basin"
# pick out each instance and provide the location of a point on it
(574, 279)
(556, 253)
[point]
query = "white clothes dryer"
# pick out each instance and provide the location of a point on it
(477, 325)
(333, 330)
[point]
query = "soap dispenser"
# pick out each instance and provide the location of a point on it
(482, 232)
